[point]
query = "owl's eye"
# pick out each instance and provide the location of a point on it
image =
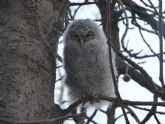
(75, 36)
(89, 35)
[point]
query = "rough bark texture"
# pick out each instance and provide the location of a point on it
(27, 62)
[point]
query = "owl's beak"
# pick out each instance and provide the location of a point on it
(81, 42)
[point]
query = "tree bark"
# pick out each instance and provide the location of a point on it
(29, 34)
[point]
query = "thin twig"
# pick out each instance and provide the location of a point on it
(92, 116)
(151, 112)
(59, 58)
(60, 78)
(121, 115)
(132, 113)
(156, 118)
(127, 24)
(146, 109)
(80, 4)
(161, 73)
(152, 5)
(147, 43)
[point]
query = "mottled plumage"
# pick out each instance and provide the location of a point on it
(86, 60)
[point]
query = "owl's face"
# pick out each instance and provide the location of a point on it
(82, 31)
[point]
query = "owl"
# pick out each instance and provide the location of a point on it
(86, 61)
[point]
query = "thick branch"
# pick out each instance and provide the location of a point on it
(140, 78)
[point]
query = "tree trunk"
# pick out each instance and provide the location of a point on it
(29, 33)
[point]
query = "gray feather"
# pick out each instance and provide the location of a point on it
(86, 60)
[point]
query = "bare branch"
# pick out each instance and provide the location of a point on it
(156, 118)
(111, 64)
(132, 113)
(81, 4)
(52, 120)
(146, 109)
(92, 116)
(151, 112)
(161, 73)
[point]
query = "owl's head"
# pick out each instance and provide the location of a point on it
(83, 31)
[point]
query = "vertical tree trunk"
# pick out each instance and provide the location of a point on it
(27, 62)
(114, 39)
(111, 115)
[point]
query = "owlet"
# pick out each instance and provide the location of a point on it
(86, 60)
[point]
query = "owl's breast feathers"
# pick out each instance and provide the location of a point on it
(87, 65)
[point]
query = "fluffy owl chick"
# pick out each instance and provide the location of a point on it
(86, 61)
